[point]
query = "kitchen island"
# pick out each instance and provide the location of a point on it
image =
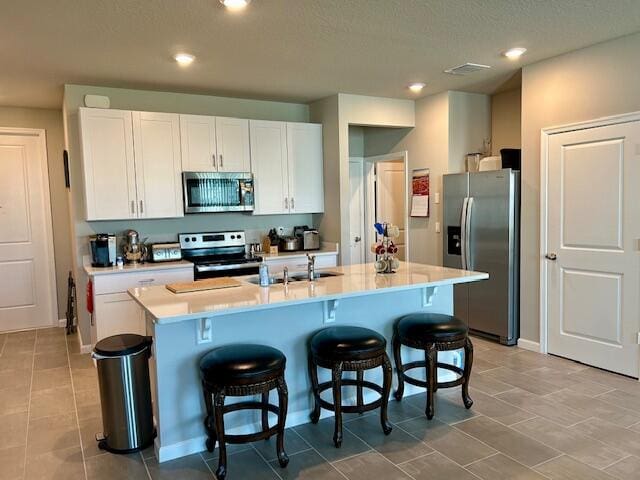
(185, 326)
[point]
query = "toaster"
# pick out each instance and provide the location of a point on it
(165, 252)
(310, 240)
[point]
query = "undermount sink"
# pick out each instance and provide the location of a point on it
(296, 277)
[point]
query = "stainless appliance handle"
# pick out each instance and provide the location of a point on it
(463, 233)
(468, 234)
(216, 268)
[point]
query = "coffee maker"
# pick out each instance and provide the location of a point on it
(134, 250)
(103, 250)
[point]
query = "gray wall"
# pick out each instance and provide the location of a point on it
(597, 81)
(51, 122)
(166, 228)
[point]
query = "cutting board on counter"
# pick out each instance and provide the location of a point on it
(206, 284)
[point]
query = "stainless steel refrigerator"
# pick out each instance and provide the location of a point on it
(482, 233)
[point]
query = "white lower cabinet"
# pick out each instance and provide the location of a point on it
(114, 311)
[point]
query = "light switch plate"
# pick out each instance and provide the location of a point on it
(437, 227)
(436, 197)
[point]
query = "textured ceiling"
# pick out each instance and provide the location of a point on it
(293, 50)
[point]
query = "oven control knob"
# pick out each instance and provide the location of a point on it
(186, 239)
(239, 236)
(233, 236)
(193, 239)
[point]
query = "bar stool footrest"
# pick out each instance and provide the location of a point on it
(351, 408)
(422, 383)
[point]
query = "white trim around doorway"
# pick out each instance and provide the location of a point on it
(41, 136)
(402, 155)
(544, 183)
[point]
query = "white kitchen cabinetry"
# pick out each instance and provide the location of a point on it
(269, 166)
(287, 165)
(114, 311)
(156, 139)
(108, 164)
(214, 144)
(131, 163)
(305, 163)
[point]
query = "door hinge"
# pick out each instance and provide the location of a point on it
(638, 339)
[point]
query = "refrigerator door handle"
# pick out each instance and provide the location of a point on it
(467, 235)
(463, 233)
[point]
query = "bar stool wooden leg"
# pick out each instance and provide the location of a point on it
(431, 358)
(387, 370)
(221, 471)
(209, 420)
(359, 393)
(398, 359)
(265, 412)
(313, 374)
(336, 377)
(468, 362)
(283, 404)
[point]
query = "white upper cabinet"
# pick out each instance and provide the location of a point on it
(214, 144)
(198, 140)
(131, 163)
(286, 161)
(269, 167)
(108, 164)
(156, 139)
(232, 144)
(305, 163)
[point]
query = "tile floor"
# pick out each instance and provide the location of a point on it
(534, 417)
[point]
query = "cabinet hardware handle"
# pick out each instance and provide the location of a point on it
(286, 203)
(214, 159)
(148, 280)
(293, 205)
(141, 207)
(133, 207)
(221, 162)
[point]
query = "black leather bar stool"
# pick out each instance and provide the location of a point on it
(240, 370)
(351, 349)
(433, 333)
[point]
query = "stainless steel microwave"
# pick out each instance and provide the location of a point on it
(217, 192)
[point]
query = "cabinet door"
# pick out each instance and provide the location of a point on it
(117, 313)
(108, 165)
(305, 160)
(269, 166)
(232, 144)
(198, 142)
(158, 167)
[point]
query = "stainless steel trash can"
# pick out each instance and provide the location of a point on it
(125, 394)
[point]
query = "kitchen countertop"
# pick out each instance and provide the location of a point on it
(139, 267)
(356, 280)
(327, 248)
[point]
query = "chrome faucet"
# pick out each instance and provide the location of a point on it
(285, 276)
(311, 267)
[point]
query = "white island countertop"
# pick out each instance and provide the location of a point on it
(356, 280)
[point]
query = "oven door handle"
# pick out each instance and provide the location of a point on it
(215, 268)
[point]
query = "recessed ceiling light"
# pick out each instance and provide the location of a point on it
(416, 87)
(184, 59)
(235, 4)
(514, 53)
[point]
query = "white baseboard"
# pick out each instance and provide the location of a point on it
(529, 345)
(197, 444)
(62, 322)
(83, 348)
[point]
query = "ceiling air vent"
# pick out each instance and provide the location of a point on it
(466, 68)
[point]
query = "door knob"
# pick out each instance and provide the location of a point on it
(551, 256)
(357, 239)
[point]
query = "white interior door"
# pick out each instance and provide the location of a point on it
(356, 212)
(27, 283)
(593, 230)
(390, 199)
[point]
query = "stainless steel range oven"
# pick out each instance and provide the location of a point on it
(218, 254)
(217, 192)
